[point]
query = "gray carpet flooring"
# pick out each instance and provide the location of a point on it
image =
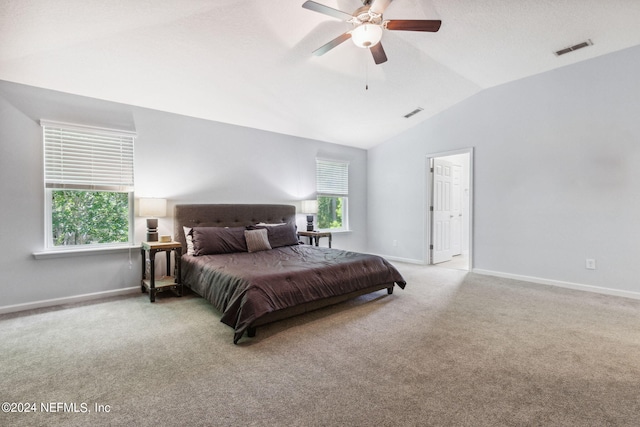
(452, 349)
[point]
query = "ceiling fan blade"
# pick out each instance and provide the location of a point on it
(379, 6)
(413, 25)
(317, 7)
(378, 53)
(333, 43)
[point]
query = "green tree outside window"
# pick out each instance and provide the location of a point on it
(89, 217)
(330, 212)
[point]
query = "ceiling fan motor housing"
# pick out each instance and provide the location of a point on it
(362, 15)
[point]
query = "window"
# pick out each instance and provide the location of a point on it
(88, 178)
(332, 185)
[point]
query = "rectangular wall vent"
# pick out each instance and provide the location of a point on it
(574, 47)
(414, 112)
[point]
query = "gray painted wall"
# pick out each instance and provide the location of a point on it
(183, 159)
(555, 179)
(556, 176)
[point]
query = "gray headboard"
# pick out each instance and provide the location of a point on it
(212, 215)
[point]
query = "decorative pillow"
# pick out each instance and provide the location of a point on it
(188, 236)
(257, 240)
(279, 235)
(218, 240)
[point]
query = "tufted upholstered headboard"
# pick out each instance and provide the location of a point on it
(241, 215)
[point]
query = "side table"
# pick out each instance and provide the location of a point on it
(314, 236)
(169, 281)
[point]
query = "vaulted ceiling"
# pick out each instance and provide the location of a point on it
(249, 62)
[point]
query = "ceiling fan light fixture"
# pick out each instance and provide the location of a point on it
(366, 35)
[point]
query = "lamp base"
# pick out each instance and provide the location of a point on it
(152, 229)
(309, 222)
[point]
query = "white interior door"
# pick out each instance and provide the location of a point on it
(442, 213)
(456, 210)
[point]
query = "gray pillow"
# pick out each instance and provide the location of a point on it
(218, 240)
(279, 235)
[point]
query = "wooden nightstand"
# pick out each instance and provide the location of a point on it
(168, 282)
(314, 236)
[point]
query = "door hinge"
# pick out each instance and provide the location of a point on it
(431, 247)
(431, 208)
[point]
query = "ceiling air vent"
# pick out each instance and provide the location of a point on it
(413, 113)
(575, 47)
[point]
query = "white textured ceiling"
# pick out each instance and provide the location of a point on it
(249, 62)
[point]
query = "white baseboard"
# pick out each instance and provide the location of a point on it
(400, 259)
(125, 291)
(561, 284)
(67, 300)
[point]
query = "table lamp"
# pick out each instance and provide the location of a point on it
(310, 207)
(153, 208)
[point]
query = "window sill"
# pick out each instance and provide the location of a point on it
(65, 253)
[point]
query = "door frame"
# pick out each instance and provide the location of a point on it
(429, 200)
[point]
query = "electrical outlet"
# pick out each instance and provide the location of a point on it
(590, 264)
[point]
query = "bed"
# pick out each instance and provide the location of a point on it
(246, 260)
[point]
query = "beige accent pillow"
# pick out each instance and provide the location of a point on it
(257, 240)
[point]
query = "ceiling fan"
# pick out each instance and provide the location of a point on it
(368, 25)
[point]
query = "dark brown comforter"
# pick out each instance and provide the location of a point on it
(245, 286)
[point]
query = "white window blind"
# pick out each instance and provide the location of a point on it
(87, 158)
(332, 177)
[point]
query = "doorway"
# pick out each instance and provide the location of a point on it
(450, 216)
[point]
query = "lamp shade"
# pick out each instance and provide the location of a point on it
(309, 206)
(152, 207)
(366, 35)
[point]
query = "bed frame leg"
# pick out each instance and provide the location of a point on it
(251, 332)
(390, 290)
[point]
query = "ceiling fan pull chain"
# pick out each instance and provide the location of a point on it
(366, 74)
